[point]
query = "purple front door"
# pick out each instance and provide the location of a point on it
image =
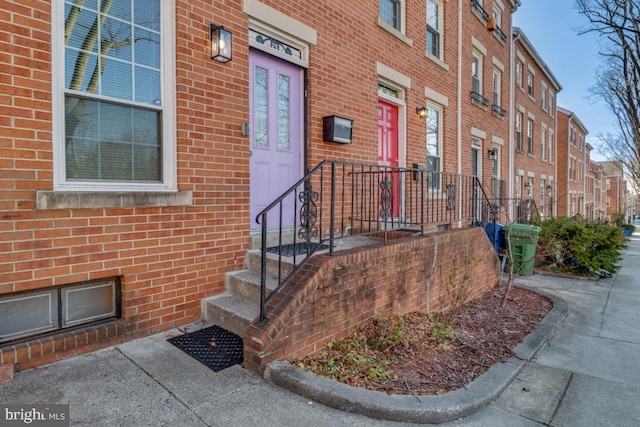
(276, 133)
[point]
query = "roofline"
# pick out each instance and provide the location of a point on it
(573, 115)
(518, 34)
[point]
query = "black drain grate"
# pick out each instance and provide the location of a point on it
(214, 347)
(298, 248)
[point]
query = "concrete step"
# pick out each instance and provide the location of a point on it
(253, 262)
(245, 284)
(273, 239)
(230, 312)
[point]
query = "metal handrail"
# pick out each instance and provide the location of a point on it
(339, 199)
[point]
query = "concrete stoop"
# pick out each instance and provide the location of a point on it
(239, 304)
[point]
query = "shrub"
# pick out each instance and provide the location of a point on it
(574, 245)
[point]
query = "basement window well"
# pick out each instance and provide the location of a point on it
(31, 313)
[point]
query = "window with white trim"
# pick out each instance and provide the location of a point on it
(114, 95)
(476, 72)
(530, 84)
(519, 68)
(543, 143)
(551, 96)
(434, 28)
(543, 95)
(530, 136)
(497, 83)
(519, 131)
(434, 145)
(497, 15)
(391, 13)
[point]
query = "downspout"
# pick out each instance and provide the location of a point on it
(585, 167)
(459, 95)
(512, 117)
(554, 188)
(305, 113)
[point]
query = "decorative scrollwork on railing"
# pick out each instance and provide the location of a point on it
(386, 198)
(451, 197)
(308, 214)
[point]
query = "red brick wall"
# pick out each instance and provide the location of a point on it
(168, 258)
(534, 163)
(332, 295)
(474, 116)
(571, 191)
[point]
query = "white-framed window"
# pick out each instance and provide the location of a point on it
(476, 72)
(518, 186)
(519, 131)
(497, 83)
(551, 107)
(543, 143)
(530, 84)
(530, 136)
(434, 145)
(543, 96)
(519, 68)
(497, 15)
(434, 28)
(114, 95)
(391, 12)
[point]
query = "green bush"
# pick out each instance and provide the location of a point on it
(576, 246)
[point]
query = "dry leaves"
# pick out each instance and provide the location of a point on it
(413, 354)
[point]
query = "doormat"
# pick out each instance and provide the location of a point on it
(298, 248)
(214, 347)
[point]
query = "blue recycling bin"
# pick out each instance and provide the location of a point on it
(494, 234)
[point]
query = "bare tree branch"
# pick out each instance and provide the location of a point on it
(618, 83)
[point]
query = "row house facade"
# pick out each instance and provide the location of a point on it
(135, 158)
(595, 192)
(573, 163)
(616, 190)
(535, 89)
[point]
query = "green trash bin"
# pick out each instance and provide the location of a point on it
(522, 239)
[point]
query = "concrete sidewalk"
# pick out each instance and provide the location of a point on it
(587, 375)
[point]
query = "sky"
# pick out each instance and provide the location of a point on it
(552, 27)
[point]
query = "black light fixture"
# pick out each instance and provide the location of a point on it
(527, 187)
(220, 43)
(421, 112)
(493, 154)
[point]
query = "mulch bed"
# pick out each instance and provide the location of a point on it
(415, 354)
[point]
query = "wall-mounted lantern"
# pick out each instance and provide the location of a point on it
(493, 154)
(527, 188)
(421, 112)
(221, 47)
(337, 129)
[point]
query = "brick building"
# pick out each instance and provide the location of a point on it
(573, 160)
(616, 189)
(133, 164)
(535, 90)
(595, 193)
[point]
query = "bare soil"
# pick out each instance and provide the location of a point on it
(418, 354)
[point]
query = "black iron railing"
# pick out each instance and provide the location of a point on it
(477, 7)
(338, 199)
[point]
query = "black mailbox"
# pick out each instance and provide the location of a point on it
(337, 129)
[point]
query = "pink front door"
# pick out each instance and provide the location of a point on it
(275, 95)
(388, 156)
